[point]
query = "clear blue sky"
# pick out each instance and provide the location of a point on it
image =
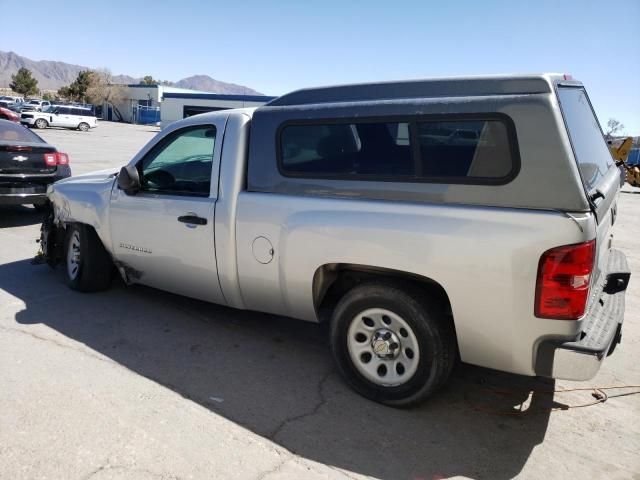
(278, 46)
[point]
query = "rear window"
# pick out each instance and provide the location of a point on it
(444, 151)
(589, 146)
(10, 132)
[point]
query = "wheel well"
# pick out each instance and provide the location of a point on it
(332, 281)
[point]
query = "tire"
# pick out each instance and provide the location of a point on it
(41, 207)
(41, 123)
(422, 341)
(83, 127)
(88, 266)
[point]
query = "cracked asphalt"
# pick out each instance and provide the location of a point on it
(134, 383)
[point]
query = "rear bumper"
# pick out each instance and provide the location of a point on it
(26, 189)
(23, 198)
(581, 358)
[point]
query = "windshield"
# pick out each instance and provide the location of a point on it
(589, 146)
(34, 102)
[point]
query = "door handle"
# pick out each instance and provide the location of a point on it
(192, 219)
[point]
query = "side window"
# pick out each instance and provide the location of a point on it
(448, 151)
(346, 149)
(475, 149)
(63, 111)
(181, 164)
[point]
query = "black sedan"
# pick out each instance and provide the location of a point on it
(27, 165)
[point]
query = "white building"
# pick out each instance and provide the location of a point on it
(178, 105)
(161, 103)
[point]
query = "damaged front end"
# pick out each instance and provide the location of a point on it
(51, 242)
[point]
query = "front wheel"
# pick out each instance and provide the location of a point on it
(41, 123)
(42, 207)
(83, 127)
(88, 265)
(392, 343)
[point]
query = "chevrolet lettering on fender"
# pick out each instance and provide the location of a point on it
(407, 215)
(134, 248)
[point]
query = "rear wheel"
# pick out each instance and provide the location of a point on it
(88, 265)
(83, 127)
(392, 343)
(41, 123)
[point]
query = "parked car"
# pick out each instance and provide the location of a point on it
(15, 107)
(35, 105)
(9, 105)
(61, 116)
(12, 99)
(7, 114)
(28, 165)
(336, 204)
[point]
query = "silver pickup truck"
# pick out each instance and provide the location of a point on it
(427, 221)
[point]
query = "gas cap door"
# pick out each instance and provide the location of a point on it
(262, 250)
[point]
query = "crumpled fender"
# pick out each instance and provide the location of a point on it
(84, 199)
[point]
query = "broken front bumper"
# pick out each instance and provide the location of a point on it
(581, 358)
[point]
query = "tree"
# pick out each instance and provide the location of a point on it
(48, 96)
(148, 80)
(24, 83)
(101, 89)
(613, 128)
(64, 92)
(78, 89)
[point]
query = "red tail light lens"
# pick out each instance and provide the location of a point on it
(564, 275)
(56, 158)
(62, 159)
(50, 159)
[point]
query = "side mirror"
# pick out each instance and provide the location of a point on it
(129, 180)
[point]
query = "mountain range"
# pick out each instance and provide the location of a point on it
(52, 75)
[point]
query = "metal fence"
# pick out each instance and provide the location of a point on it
(146, 115)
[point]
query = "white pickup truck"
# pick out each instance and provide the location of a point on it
(364, 206)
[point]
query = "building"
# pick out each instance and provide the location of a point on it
(164, 104)
(178, 105)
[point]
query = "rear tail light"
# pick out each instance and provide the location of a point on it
(56, 158)
(62, 159)
(564, 276)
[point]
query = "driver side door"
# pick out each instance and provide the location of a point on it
(163, 235)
